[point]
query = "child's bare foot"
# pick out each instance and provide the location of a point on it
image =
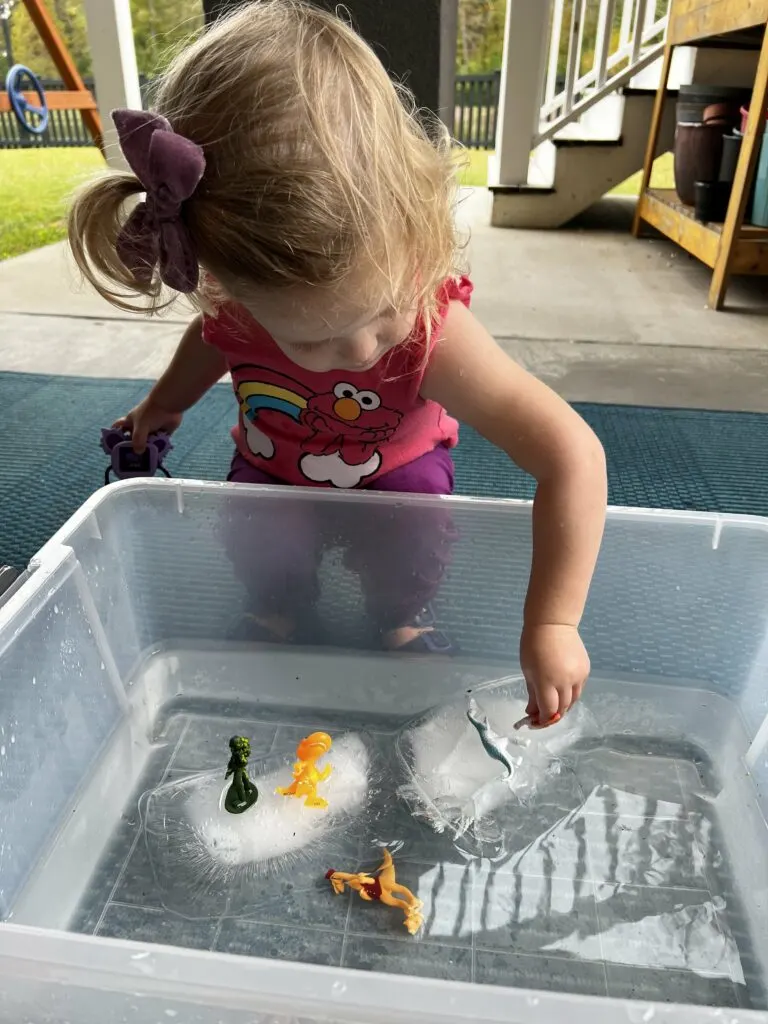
(279, 625)
(397, 639)
(420, 636)
(267, 629)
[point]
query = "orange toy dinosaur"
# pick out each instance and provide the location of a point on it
(381, 889)
(305, 772)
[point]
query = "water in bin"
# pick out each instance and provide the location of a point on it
(456, 767)
(466, 826)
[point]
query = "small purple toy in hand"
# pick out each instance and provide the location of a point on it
(126, 463)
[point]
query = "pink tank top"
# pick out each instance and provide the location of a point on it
(334, 429)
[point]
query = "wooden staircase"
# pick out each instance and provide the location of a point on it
(589, 119)
(574, 169)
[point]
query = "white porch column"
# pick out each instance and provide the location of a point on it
(110, 35)
(521, 91)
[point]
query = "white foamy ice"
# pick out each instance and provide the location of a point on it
(277, 826)
(455, 781)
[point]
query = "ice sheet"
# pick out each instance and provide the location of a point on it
(454, 784)
(205, 859)
(277, 826)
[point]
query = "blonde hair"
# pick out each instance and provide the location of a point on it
(317, 168)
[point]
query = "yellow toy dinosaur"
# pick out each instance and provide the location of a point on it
(306, 776)
(381, 889)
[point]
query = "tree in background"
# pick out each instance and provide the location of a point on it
(163, 27)
(160, 27)
(28, 47)
(660, 8)
(481, 35)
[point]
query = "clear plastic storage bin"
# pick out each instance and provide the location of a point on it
(633, 884)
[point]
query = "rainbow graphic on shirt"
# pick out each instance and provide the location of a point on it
(255, 396)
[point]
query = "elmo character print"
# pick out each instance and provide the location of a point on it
(335, 435)
(347, 426)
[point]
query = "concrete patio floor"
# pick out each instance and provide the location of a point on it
(596, 314)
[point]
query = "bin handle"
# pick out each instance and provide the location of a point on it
(10, 579)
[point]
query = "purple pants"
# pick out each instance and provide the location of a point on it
(400, 553)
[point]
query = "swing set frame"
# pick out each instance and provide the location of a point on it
(75, 96)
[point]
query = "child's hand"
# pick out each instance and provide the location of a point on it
(147, 418)
(555, 665)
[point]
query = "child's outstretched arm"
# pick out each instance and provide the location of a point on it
(194, 369)
(475, 381)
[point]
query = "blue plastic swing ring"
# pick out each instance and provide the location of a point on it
(33, 119)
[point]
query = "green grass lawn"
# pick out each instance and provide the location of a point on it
(36, 185)
(35, 188)
(663, 177)
(473, 165)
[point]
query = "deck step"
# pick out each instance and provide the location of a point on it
(522, 190)
(580, 165)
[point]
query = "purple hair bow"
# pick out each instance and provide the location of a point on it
(169, 168)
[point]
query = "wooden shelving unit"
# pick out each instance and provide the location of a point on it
(731, 247)
(663, 210)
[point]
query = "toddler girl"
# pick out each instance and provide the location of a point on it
(292, 193)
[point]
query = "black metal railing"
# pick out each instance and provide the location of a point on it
(474, 123)
(65, 127)
(476, 109)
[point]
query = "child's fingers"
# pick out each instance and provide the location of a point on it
(533, 722)
(548, 704)
(139, 437)
(134, 427)
(567, 699)
(545, 725)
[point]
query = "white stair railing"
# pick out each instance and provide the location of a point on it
(628, 36)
